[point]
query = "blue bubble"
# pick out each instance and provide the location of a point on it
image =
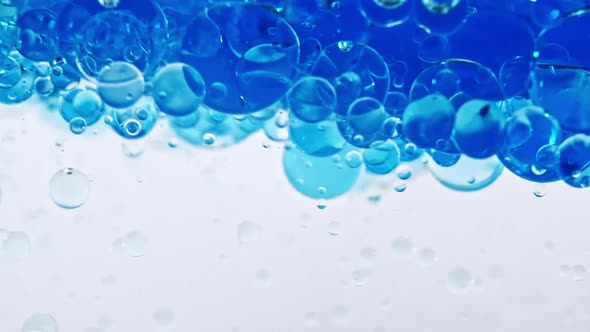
(312, 99)
(133, 122)
(249, 50)
(319, 177)
(468, 174)
(428, 120)
(479, 129)
(78, 126)
(395, 103)
(317, 139)
(386, 13)
(363, 123)
(84, 104)
(120, 84)
(38, 37)
(10, 72)
(574, 161)
(20, 91)
(63, 75)
(44, 86)
(441, 16)
(444, 159)
(355, 70)
(382, 157)
(514, 76)
(178, 89)
(528, 131)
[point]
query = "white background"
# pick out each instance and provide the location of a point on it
(294, 275)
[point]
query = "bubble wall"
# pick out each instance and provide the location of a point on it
(350, 87)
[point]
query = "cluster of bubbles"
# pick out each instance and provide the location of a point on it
(468, 86)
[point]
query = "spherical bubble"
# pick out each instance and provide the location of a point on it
(479, 129)
(317, 139)
(468, 174)
(514, 76)
(78, 126)
(363, 123)
(444, 159)
(382, 157)
(40, 323)
(560, 82)
(134, 122)
(409, 151)
(44, 86)
(109, 3)
(386, 13)
(38, 36)
(459, 81)
(178, 89)
(120, 84)
(492, 38)
(574, 161)
(308, 174)
(69, 188)
(132, 244)
(528, 131)
(354, 159)
(428, 120)
(20, 91)
(395, 103)
(217, 130)
(10, 72)
(441, 16)
(312, 99)
(16, 245)
(355, 71)
(94, 35)
(248, 49)
(84, 104)
(459, 280)
(63, 75)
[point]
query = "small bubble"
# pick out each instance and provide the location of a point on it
(77, 125)
(345, 45)
(354, 159)
(173, 143)
(69, 188)
(361, 277)
(248, 232)
(16, 244)
(402, 247)
(133, 244)
(400, 188)
(164, 317)
(40, 323)
(404, 172)
(322, 204)
(263, 278)
(334, 228)
(426, 256)
(459, 280)
(209, 139)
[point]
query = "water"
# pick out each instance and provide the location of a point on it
(69, 188)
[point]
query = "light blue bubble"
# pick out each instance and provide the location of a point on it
(428, 120)
(574, 161)
(312, 99)
(178, 89)
(317, 139)
(479, 130)
(120, 84)
(382, 157)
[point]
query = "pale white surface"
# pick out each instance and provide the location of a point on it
(291, 275)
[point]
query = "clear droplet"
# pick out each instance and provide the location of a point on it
(248, 232)
(16, 244)
(459, 280)
(69, 188)
(40, 323)
(77, 125)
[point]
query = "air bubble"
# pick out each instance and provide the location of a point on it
(69, 188)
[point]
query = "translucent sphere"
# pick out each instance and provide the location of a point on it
(109, 3)
(38, 37)
(428, 121)
(10, 72)
(441, 16)
(178, 89)
(382, 157)
(312, 99)
(468, 174)
(20, 91)
(69, 188)
(363, 123)
(316, 139)
(82, 103)
(134, 122)
(40, 323)
(355, 70)
(530, 131)
(248, 50)
(479, 129)
(386, 13)
(574, 161)
(120, 84)
(319, 177)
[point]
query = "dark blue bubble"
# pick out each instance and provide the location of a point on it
(440, 16)
(363, 123)
(428, 120)
(38, 35)
(479, 130)
(574, 161)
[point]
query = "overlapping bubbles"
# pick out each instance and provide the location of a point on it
(467, 87)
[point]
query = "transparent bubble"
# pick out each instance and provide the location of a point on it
(363, 123)
(40, 323)
(355, 73)
(386, 13)
(429, 120)
(38, 37)
(312, 99)
(109, 3)
(468, 174)
(164, 317)
(316, 139)
(69, 188)
(459, 280)
(402, 247)
(250, 50)
(16, 244)
(133, 244)
(381, 157)
(44, 86)
(404, 172)
(134, 122)
(248, 232)
(426, 256)
(354, 159)
(10, 72)
(78, 125)
(479, 130)
(120, 84)
(334, 228)
(574, 161)
(178, 89)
